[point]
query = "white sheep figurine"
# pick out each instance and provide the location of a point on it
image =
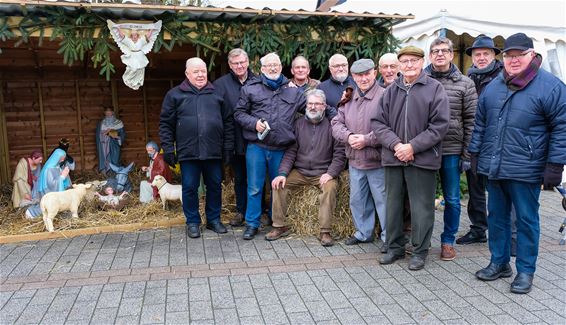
(69, 200)
(167, 192)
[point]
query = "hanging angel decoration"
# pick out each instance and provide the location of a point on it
(135, 41)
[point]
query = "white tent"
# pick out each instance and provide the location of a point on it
(550, 42)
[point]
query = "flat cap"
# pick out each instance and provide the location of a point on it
(362, 65)
(411, 50)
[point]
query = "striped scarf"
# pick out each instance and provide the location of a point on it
(521, 80)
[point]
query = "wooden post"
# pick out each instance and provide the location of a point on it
(145, 118)
(80, 124)
(114, 87)
(5, 176)
(42, 118)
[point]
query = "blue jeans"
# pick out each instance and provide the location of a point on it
(211, 171)
(240, 182)
(524, 197)
(367, 195)
(450, 181)
(259, 161)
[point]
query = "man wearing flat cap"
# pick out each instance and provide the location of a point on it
(518, 143)
(352, 126)
(413, 118)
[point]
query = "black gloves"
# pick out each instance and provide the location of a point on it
(170, 159)
(228, 157)
(552, 175)
(474, 163)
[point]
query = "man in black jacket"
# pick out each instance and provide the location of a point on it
(197, 124)
(228, 87)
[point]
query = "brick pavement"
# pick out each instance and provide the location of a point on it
(159, 276)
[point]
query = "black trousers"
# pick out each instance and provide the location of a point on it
(477, 208)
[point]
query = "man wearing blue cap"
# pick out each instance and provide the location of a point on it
(518, 143)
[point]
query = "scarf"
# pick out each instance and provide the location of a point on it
(487, 70)
(272, 84)
(438, 74)
(521, 80)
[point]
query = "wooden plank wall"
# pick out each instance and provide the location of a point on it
(43, 100)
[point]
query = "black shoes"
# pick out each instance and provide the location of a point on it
(471, 238)
(354, 241)
(217, 227)
(417, 262)
(389, 258)
(522, 284)
(193, 230)
(250, 233)
(494, 271)
(384, 248)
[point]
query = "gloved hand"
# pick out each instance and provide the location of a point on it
(474, 164)
(552, 175)
(228, 157)
(170, 158)
(465, 165)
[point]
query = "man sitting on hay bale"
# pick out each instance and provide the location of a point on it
(315, 159)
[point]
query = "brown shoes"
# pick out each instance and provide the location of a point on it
(237, 220)
(325, 239)
(447, 252)
(276, 233)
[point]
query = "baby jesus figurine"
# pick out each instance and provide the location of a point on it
(110, 199)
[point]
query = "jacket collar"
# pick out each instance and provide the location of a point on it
(421, 79)
(251, 75)
(453, 73)
(188, 87)
(369, 94)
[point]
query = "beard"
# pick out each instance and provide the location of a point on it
(315, 116)
(272, 76)
(340, 77)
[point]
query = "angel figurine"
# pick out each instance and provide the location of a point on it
(135, 41)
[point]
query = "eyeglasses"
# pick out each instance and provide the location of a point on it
(337, 66)
(411, 61)
(435, 52)
(238, 63)
(388, 66)
(315, 104)
(272, 65)
(513, 57)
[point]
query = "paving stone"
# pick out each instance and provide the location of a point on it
(247, 307)
(472, 315)
(336, 299)
(108, 299)
(82, 310)
(503, 319)
(266, 296)
(199, 292)
(408, 302)
(31, 315)
(154, 296)
(293, 304)
(395, 314)
(451, 298)
(440, 309)
(134, 289)
(378, 296)
(300, 318)
(348, 316)
(425, 317)
(181, 317)
(483, 305)
(242, 290)
(130, 307)
(55, 318)
(200, 310)
(274, 314)
(320, 311)
(24, 293)
(554, 304)
(128, 320)
(260, 281)
(226, 316)
(178, 302)
(251, 320)
(550, 316)
(365, 307)
(376, 320)
(284, 287)
(351, 289)
(15, 306)
(324, 283)
(104, 316)
(152, 313)
(519, 313)
(309, 293)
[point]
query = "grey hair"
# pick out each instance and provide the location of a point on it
(336, 56)
(237, 52)
(269, 56)
(300, 57)
(153, 145)
(388, 57)
(442, 40)
(193, 61)
(316, 92)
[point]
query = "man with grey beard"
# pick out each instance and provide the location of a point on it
(315, 159)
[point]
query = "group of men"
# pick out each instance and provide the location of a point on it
(394, 134)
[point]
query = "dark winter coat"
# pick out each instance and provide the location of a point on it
(463, 100)
(229, 87)
(333, 89)
(481, 80)
(518, 132)
(197, 123)
(419, 115)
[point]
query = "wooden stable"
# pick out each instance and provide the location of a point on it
(43, 100)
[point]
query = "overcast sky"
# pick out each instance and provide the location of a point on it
(545, 13)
